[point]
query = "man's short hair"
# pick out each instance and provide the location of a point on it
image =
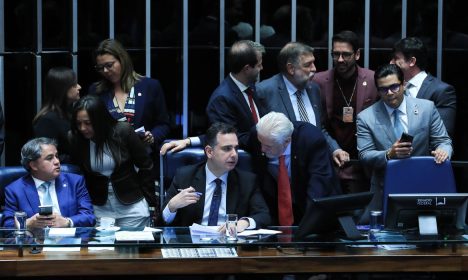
(412, 47)
(32, 150)
(214, 129)
(387, 70)
(291, 53)
(347, 36)
(243, 53)
(275, 126)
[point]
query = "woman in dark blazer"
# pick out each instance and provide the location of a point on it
(129, 96)
(53, 120)
(109, 153)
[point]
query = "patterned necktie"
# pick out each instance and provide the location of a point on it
(397, 125)
(47, 198)
(285, 213)
(250, 92)
(215, 202)
(301, 107)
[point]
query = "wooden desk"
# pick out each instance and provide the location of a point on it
(134, 261)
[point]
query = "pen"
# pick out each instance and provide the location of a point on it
(197, 193)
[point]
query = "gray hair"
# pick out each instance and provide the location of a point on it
(32, 150)
(291, 53)
(275, 126)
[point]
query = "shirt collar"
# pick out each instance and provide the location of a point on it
(418, 79)
(210, 177)
(401, 108)
(240, 85)
(39, 182)
(289, 86)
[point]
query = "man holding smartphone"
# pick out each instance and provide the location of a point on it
(48, 197)
(396, 127)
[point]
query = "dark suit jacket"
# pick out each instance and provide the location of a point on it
(273, 95)
(129, 186)
(72, 196)
(312, 173)
(444, 98)
(150, 107)
(366, 95)
(227, 105)
(243, 195)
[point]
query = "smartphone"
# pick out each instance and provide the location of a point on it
(405, 137)
(45, 210)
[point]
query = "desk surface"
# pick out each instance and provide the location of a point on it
(146, 259)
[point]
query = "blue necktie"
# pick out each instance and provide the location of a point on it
(397, 125)
(215, 202)
(47, 199)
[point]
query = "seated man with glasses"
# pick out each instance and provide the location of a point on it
(346, 90)
(380, 127)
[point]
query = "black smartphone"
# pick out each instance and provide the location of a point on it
(45, 210)
(405, 137)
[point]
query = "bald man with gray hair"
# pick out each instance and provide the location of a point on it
(304, 150)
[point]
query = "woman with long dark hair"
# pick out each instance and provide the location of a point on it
(108, 152)
(61, 90)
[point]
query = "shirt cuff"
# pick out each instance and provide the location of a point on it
(252, 223)
(195, 141)
(168, 216)
(70, 223)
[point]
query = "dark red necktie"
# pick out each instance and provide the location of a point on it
(250, 93)
(285, 213)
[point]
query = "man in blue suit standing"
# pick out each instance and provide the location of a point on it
(410, 54)
(46, 185)
(380, 127)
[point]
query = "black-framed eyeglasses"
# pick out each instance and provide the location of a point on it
(345, 55)
(107, 65)
(393, 88)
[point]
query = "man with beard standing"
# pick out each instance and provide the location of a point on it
(346, 90)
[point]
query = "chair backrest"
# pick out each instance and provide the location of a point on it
(9, 174)
(170, 162)
(418, 175)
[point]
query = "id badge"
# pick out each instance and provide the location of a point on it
(348, 114)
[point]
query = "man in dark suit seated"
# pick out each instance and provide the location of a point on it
(297, 167)
(46, 185)
(192, 197)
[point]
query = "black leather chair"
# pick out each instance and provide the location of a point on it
(170, 162)
(9, 174)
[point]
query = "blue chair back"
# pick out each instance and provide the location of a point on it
(417, 175)
(170, 162)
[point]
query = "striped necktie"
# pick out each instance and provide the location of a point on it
(301, 107)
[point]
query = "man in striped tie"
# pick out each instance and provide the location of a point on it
(46, 185)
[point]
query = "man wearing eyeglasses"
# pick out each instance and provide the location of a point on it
(381, 126)
(346, 90)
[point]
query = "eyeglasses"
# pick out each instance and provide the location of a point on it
(107, 65)
(393, 88)
(345, 55)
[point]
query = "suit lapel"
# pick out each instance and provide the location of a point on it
(239, 96)
(30, 192)
(314, 98)
(361, 90)
(383, 122)
(284, 94)
(61, 187)
(328, 92)
(424, 87)
(412, 112)
(199, 183)
(139, 102)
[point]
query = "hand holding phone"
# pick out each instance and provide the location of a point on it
(405, 137)
(45, 210)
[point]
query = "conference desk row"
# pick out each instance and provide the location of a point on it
(275, 254)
